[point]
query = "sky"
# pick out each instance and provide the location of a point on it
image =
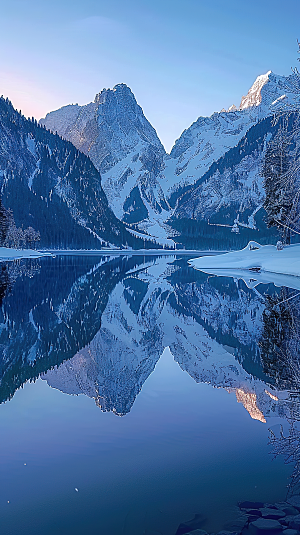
(181, 59)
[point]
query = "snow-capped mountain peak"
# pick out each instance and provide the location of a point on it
(254, 97)
(121, 91)
(107, 129)
(114, 132)
(209, 138)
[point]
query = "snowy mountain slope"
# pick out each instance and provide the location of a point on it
(230, 195)
(122, 144)
(209, 138)
(144, 184)
(51, 186)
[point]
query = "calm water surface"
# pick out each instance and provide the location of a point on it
(137, 392)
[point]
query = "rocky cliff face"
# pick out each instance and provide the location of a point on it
(123, 146)
(107, 129)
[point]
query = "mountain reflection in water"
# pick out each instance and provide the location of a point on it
(98, 326)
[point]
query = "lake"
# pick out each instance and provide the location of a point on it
(137, 392)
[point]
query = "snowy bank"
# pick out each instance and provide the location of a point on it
(255, 257)
(15, 254)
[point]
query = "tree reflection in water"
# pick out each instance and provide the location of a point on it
(280, 354)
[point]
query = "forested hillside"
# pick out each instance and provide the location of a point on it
(55, 189)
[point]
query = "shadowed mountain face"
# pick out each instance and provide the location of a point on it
(51, 186)
(99, 326)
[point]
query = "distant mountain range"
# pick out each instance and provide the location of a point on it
(96, 175)
(210, 181)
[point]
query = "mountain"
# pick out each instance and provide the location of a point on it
(213, 328)
(212, 176)
(114, 132)
(51, 310)
(226, 205)
(209, 138)
(218, 194)
(54, 188)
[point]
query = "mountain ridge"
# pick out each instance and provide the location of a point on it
(145, 184)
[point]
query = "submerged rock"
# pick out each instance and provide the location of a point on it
(251, 505)
(286, 521)
(272, 513)
(295, 523)
(254, 518)
(295, 501)
(265, 525)
(191, 525)
(286, 508)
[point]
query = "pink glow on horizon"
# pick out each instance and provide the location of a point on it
(31, 98)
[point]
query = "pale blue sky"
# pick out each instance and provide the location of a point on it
(181, 59)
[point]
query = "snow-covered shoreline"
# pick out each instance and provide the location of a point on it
(7, 253)
(255, 257)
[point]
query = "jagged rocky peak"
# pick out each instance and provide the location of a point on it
(273, 92)
(114, 132)
(120, 92)
(254, 97)
(107, 129)
(119, 103)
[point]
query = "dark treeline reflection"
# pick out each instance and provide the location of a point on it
(280, 352)
(280, 343)
(50, 311)
(98, 326)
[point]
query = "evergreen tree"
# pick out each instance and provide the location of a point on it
(281, 180)
(4, 223)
